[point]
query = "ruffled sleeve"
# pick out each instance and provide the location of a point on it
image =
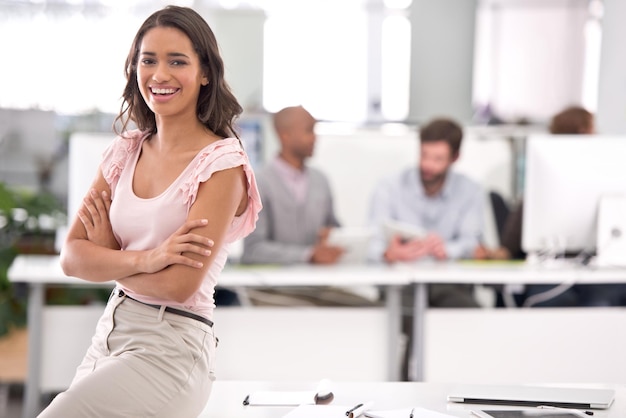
(116, 156)
(222, 155)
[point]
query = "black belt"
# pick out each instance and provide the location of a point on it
(169, 309)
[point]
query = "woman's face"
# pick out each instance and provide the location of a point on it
(169, 73)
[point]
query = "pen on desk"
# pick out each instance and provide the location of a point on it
(411, 414)
(246, 401)
(582, 413)
(349, 411)
(359, 409)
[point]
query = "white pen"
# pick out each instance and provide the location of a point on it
(573, 411)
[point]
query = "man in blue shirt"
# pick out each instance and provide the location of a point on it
(446, 206)
(443, 211)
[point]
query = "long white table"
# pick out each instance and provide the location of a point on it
(227, 396)
(41, 271)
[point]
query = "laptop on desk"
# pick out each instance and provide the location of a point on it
(584, 398)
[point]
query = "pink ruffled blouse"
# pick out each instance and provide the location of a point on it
(142, 224)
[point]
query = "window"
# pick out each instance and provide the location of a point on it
(317, 59)
(69, 63)
(344, 61)
(533, 58)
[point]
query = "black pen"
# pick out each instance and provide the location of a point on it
(411, 414)
(247, 400)
(573, 411)
(349, 411)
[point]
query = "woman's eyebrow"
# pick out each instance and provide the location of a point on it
(169, 54)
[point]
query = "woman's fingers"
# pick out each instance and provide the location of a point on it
(192, 224)
(107, 201)
(193, 248)
(187, 261)
(99, 205)
(94, 206)
(179, 247)
(85, 219)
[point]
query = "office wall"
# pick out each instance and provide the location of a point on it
(28, 143)
(239, 35)
(442, 50)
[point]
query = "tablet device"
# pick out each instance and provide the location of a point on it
(405, 230)
(354, 240)
(540, 413)
(579, 398)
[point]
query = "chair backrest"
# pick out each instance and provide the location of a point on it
(500, 211)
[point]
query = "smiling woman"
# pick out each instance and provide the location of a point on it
(167, 201)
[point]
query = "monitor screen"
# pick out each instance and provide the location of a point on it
(566, 176)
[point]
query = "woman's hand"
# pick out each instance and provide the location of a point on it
(94, 215)
(172, 250)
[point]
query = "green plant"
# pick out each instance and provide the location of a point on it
(23, 214)
(12, 306)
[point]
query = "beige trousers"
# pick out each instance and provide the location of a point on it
(142, 362)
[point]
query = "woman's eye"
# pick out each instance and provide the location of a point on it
(177, 63)
(147, 61)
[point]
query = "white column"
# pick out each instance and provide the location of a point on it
(611, 113)
(239, 34)
(442, 55)
(375, 18)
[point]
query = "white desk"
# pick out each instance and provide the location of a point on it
(41, 271)
(227, 396)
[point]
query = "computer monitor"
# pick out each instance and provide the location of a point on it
(566, 176)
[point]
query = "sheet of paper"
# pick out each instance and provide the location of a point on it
(406, 412)
(278, 398)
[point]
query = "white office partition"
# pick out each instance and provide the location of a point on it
(539, 345)
(357, 159)
(67, 332)
(257, 343)
(297, 343)
(85, 155)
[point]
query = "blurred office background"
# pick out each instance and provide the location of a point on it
(356, 64)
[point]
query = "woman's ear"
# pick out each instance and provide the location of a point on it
(204, 81)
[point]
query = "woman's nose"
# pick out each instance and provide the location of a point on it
(161, 73)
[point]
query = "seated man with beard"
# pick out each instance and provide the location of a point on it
(446, 206)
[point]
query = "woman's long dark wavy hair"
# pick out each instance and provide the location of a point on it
(217, 107)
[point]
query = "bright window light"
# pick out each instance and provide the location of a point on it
(396, 56)
(591, 75)
(397, 4)
(62, 71)
(317, 59)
